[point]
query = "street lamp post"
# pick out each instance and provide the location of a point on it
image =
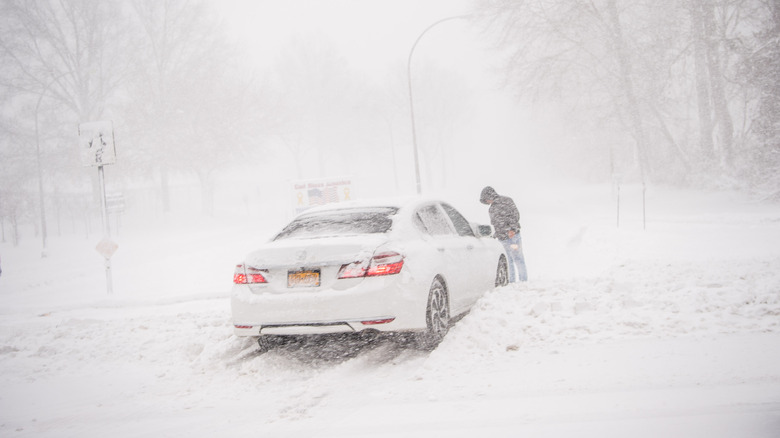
(411, 97)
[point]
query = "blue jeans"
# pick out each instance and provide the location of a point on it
(514, 252)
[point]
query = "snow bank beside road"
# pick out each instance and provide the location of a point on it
(637, 299)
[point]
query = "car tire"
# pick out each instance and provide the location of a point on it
(502, 272)
(437, 317)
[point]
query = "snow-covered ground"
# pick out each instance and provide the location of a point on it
(672, 330)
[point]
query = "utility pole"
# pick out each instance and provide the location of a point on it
(411, 97)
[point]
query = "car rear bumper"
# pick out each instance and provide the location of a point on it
(383, 303)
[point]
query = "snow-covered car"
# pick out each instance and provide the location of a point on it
(404, 266)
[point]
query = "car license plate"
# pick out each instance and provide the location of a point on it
(303, 278)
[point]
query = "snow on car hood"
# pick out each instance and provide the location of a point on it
(315, 251)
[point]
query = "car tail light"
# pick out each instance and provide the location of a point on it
(386, 263)
(378, 321)
(248, 275)
(354, 270)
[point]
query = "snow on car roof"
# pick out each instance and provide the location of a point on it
(396, 202)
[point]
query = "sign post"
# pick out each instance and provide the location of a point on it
(96, 141)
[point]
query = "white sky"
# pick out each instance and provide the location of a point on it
(369, 34)
(375, 37)
(503, 141)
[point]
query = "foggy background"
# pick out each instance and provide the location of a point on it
(580, 110)
(219, 106)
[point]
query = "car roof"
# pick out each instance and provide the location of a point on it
(409, 202)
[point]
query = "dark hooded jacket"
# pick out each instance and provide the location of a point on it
(503, 213)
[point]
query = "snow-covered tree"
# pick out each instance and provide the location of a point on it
(666, 73)
(762, 65)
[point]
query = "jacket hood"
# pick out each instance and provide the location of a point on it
(488, 194)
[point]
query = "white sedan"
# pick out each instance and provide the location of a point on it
(396, 266)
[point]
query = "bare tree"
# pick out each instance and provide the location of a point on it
(709, 37)
(173, 31)
(761, 67)
(656, 63)
(443, 102)
(14, 200)
(700, 48)
(319, 105)
(191, 111)
(575, 51)
(62, 64)
(626, 81)
(68, 52)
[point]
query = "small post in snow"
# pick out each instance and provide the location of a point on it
(96, 140)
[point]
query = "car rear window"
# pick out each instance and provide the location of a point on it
(340, 223)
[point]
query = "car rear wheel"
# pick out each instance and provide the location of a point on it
(437, 316)
(502, 272)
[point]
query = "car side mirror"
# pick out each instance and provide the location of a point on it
(484, 230)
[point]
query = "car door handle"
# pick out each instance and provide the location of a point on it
(469, 247)
(440, 249)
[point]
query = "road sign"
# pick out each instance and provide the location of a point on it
(106, 248)
(96, 142)
(314, 192)
(115, 202)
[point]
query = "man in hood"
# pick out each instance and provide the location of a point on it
(506, 223)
